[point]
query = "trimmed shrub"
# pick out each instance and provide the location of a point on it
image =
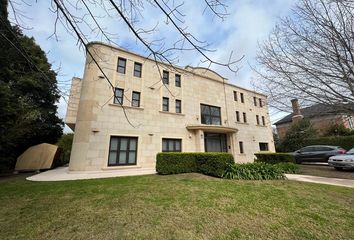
(253, 171)
(212, 164)
(274, 158)
(287, 167)
(346, 142)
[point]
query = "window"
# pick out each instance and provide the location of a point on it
(242, 98)
(235, 95)
(255, 101)
(244, 117)
(137, 69)
(263, 146)
(121, 65)
(210, 115)
(241, 147)
(165, 77)
(171, 145)
(165, 104)
(237, 116)
(178, 80)
(118, 95)
(122, 151)
(178, 106)
(257, 118)
(260, 102)
(136, 99)
(263, 120)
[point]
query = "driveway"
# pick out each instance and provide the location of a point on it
(323, 170)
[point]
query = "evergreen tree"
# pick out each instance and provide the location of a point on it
(28, 93)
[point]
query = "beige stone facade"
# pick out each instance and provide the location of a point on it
(96, 119)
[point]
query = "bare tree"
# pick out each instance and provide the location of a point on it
(310, 56)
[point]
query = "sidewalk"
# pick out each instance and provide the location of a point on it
(63, 174)
(322, 180)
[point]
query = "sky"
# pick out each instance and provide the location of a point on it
(247, 24)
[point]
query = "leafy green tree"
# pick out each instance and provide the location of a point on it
(28, 93)
(65, 143)
(295, 136)
(338, 130)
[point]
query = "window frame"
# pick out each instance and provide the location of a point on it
(140, 72)
(136, 100)
(238, 116)
(241, 147)
(116, 99)
(255, 101)
(266, 149)
(263, 121)
(119, 67)
(166, 80)
(165, 105)
(210, 116)
(260, 102)
(235, 96)
(174, 140)
(127, 151)
(257, 119)
(242, 97)
(178, 76)
(244, 117)
(180, 106)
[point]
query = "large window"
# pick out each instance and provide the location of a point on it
(122, 62)
(165, 77)
(136, 99)
(118, 95)
(171, 145)
(165, 104)
(263, 146)
(178, 80)
(137, 69)
(122, 151)
(178, 106)
(210, 115)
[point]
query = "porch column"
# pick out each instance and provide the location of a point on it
(199, 140)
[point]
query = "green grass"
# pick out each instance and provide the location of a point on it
(187, 206)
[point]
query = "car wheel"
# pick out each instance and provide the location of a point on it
(338, 168)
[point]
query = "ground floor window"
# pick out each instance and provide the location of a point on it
(122, 151)
(171, 145)
(240, 144)
(263, 146)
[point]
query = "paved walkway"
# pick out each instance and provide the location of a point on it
(323, 180)
(63, 174)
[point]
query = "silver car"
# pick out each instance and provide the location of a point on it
(342, 161)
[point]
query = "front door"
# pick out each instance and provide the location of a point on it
(215, 142)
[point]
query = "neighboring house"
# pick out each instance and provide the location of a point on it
(199, 112)
(321, 117)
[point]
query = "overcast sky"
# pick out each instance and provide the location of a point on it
(248, 22)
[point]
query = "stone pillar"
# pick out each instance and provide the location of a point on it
(297, 116)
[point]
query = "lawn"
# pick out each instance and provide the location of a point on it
(187, 206)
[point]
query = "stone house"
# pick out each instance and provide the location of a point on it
(189, 110)
(321, 117)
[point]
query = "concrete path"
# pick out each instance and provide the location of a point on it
(323, 180)
(63, 174)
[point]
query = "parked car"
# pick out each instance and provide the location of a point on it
(342, 161)
(317, 153)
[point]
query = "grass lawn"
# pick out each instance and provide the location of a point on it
(187, 206)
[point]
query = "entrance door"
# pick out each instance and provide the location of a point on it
(215, 142)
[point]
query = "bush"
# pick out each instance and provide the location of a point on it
(346, 142)
(65, 143)
(287, 167)
(213, 164)
(274, 157)
(253, 171)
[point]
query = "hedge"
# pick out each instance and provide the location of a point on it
(253, 171)
(212, 164)
(346, 142)
(274, 158)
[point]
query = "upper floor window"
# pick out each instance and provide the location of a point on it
(260, 102)
(178, 106)
(178, 80)
(165, 104)
(122, 151)
(210, 115)
(242, 98)
(137, 69)
(263, 120)
(240, 144)
(237, 116)
(235, 96)
(255, 101)
(257, 118)
(171, 145)
(165, 77)
(136, 99)
(263, 146)
(118, 95)
(122, 62)
(244, 117)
